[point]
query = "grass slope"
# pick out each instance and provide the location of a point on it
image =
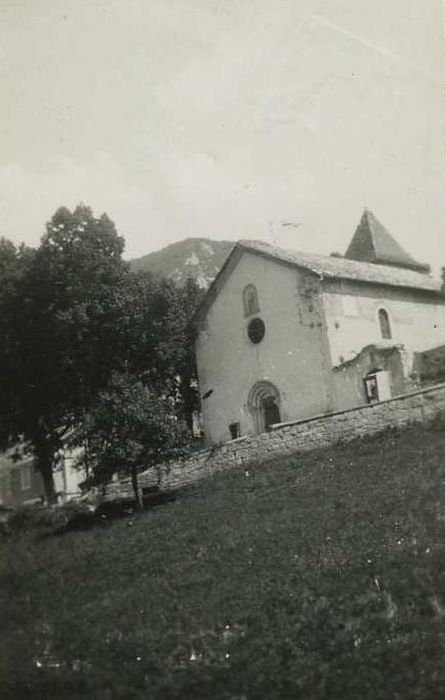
(317, 576)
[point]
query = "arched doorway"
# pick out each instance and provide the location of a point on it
(264, 405)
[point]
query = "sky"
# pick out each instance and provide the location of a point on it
(277, 120)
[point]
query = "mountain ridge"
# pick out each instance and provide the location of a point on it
(199, 258)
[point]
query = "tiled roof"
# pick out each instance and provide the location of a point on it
(342, 268)
(373, 243)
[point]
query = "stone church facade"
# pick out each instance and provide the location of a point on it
(283, 336)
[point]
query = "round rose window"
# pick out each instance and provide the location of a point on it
(256, 330)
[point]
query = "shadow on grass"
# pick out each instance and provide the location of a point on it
(115, 509)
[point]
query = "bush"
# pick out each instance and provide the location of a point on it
(54, 517)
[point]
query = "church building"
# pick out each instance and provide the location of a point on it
(283, 335)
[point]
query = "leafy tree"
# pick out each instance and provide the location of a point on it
(64, 321)
(162, 347)
(177, 348)
(13, 262)
(128, 429)
(71, 314)
(13, 265)
(147, 328)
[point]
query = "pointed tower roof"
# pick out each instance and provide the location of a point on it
(372, 243)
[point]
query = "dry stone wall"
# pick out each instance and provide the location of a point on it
(416, 407)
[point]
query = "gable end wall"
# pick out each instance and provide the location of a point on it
(293, 355)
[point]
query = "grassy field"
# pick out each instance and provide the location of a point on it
(316, 576)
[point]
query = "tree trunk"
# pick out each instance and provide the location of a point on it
(48, 483)
(190, 401)
(137, 492)
(44, 464)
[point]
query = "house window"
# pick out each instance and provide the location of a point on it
(235, 431)
(250, 300)
(25, 477)
(385, 326)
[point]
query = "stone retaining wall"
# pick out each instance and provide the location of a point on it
(421, 406)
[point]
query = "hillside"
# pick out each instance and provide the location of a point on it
(316, 576)
(199, 258)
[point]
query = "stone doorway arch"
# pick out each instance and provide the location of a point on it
(264, 405)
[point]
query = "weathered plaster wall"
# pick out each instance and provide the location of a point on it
(19, 482)
(348, 384)
(66, 477)
(293, 355)
(299, 436)
(17, 488)
(417, 318)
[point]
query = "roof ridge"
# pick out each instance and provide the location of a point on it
(338, 267)
(327, 267)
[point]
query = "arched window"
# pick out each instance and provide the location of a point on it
(250, 300)
(385, 326)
